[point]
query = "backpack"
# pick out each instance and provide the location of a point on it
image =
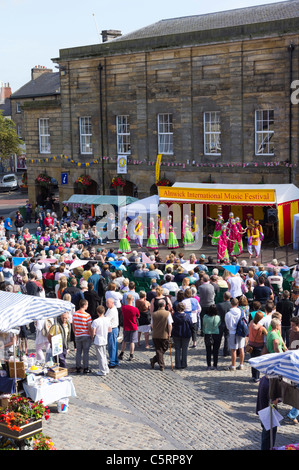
(242, 326)
(102, 286)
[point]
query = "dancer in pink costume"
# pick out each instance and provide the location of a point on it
(222, 252)
(241, 232)
(232, 244)
(217, 230)
(229, 222)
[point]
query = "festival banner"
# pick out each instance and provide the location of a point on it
(158, 166)
(122, 164)
(219, 196)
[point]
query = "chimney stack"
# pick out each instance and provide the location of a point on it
(5, 92)
(109, 34)
(38, 70)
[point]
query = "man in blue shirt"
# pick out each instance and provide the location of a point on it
(132, 292)
(151, 273)
(7, 226)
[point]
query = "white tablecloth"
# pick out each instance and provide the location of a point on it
(50, 392)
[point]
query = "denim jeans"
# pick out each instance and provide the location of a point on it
(113, 347)
(293, 413)
(83, 344)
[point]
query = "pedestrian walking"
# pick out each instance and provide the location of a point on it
(181, 333)
(161, 332)
(212, 336)
(130, 326)
(83, 334)
(100, 329)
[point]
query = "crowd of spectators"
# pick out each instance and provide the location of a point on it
(169, 300)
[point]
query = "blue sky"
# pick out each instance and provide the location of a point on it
(33, 31)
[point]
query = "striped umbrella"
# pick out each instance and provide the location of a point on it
(284, 364)
(18, 309)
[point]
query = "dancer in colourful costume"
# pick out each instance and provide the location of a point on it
(222, 252)
(241, 232)
(152, 239)
(194, 226)
(255, 236)
(172, 241)
(233, 245)
(124, 245)
(161, 230)
(138, 231)
(187, 234)
(217, 231)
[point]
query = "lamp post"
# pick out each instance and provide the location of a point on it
(100, 69)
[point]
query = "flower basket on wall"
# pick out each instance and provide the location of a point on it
(43, 180)
(118, 182)
(84, 181)
(164, 182)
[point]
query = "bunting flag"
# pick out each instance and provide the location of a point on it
(16, 260)
(231, 268)
(158, 162)
(146, 259)
(116, 264)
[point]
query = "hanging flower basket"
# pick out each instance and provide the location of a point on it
(43, 180)
(84, 181)
(118, 181)
(164, 182)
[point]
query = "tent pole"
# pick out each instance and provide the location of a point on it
(14, 359)
(271, 426)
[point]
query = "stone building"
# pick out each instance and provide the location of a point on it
(211, 93)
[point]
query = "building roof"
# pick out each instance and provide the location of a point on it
(47, 84)
(223, 19)
(257, 21)
(6, 107)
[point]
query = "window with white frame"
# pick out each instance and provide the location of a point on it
(85, 135)
(44, 136)
(123, 135)
(165, 134)
(264, 132)
(212, 133)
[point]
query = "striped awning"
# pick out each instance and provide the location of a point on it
(278, 364)
(18, 309)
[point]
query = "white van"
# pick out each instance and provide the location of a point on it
(9, 183)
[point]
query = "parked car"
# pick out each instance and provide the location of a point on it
(9, 182)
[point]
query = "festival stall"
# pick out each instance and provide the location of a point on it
(17, 310)
(94, 201)
(241, 199)
(282, 369)
(148, 205)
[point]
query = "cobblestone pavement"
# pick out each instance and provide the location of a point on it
(137, 408)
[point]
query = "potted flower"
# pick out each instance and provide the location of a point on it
(43, 180)
(84, 181)
(22, 418)
(42, 442)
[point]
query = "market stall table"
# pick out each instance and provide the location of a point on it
(50, 390)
